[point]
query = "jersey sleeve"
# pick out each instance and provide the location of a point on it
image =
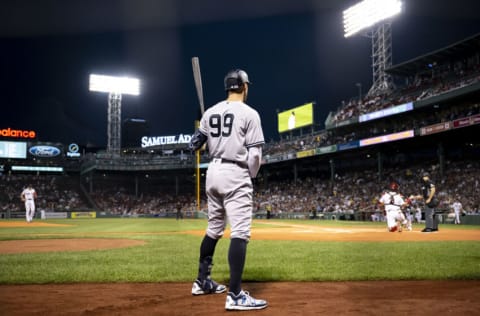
(382, 199)
(399, 200)
(254, 134)
(254, 160)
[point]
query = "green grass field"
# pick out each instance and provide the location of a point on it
(169, 255)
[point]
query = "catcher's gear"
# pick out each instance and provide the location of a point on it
(393, 186)
(197, 141)
(392, 229)
(235, 79)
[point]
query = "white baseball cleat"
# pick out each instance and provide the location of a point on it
(243, 302)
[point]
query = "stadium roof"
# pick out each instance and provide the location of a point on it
(413, 66)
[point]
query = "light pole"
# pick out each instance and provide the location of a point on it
(366, 16)
(115, 87)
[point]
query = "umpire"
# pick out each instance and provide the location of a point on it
(431, 202)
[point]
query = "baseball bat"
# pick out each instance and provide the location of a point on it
(197, 76)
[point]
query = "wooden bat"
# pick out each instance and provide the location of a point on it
(197, 76)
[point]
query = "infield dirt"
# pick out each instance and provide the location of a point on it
(285, 298)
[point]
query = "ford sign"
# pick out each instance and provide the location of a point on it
(44, 151)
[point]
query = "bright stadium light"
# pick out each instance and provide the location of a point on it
(115, 87)
(367, 13)
(110, 84)
(372, 17)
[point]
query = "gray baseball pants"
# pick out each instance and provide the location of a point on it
(431, 220)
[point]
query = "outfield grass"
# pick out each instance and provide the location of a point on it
(169, 256)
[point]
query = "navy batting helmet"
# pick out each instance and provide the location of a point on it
(235, 79)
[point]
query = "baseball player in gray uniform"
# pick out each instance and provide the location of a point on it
(234, 137)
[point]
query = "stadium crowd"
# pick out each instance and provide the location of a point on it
(349, 193)
(122, 202)
(360, 191)
(55, 192)
(291, 145)
(440, 79)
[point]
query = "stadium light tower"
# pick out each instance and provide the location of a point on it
(115, 87)
(366, 16)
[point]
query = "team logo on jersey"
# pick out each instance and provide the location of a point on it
(44, 151)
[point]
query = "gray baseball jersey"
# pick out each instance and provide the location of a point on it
(231, 128)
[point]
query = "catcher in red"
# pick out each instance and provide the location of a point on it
(393, 203)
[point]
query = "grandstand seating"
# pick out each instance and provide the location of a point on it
(55, 192)
(323, 170)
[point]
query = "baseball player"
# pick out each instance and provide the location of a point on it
(457, 208)
(234, 137)
(28, 196)
(393, 202)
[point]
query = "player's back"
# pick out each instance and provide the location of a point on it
(231, 127)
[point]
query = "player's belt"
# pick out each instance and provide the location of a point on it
(223, 160)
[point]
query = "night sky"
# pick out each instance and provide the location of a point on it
(293, 54)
